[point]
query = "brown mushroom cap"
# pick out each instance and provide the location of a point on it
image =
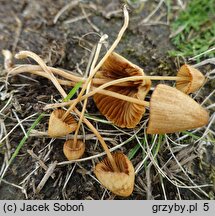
(172, 111)
(57, 127)
(122, 113)
(73, 153)
(120, 183)
(195, 79)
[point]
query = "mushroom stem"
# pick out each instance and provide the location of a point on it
(25, 54)
(123, 97)
(101, 140)
(166, 78)
(36, 69)
(137, 78)
(85, 86)
(98, 66)
(33, 68)
(60, 81)
(101, 91)
(96, 56)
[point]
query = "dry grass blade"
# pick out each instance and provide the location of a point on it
(45, 178)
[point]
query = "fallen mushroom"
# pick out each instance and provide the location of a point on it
(120, 183)
(72, 153)
(194, 82)
(187, 77)
(136, 85)
(115, 168)
(58, 127)
(121, 112)
(172, 111)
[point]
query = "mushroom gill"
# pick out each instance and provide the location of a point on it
(58, 127)
(121, 183)
(122, 113)
(195, 79)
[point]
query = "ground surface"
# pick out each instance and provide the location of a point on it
(28, 25)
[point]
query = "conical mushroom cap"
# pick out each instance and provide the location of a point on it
(120, 183)
(57, 127)
(195, 79)
(73, 153)
(172, 111)
(122, 113)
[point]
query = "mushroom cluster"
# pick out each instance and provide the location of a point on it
(119, 89)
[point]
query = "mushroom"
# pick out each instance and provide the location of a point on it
(115, 168)
(195, 79)
(121, 112)
(120, 183)
(58, 127)
(172, 111)
(72, 153)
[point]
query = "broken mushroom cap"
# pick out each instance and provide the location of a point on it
(195, 79)
(172, 111)
(122, 113)
(58, 127)
(72, 153)
(120, 183)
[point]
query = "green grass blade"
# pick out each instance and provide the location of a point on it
(157, 147)
(198, 137)
(133, 151)
(22, 142)
(73, 91)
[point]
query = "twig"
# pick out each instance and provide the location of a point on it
(17, 126)
(20, 123)
(152, 13)
(16, 186)
(49, 172)
(68, 178)
(207, 51)
(76, 19)
(42, 164)
(89, 21)
(72, 4)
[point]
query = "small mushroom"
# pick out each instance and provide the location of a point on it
(58, 127)
(172, 111)
(72, 153)
(195, 79)
(120, 183)
(122, 113)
